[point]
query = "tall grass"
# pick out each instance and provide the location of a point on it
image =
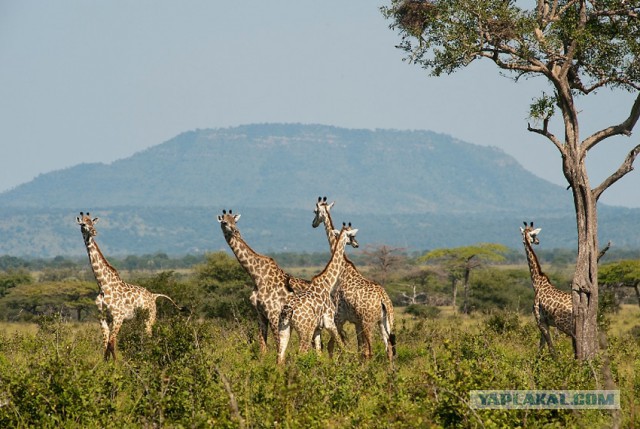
(209, 373)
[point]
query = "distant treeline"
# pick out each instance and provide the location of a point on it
(162, 261)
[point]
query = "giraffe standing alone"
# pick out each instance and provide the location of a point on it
(551, 306)
(273, 285)
(360, 301)
(117, 300)
(313, 308)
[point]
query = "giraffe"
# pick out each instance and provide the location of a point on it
(272, 285)
(551, 306)
(360, 301)
(312, 309)
(117, 300)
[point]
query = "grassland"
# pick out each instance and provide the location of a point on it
(209, 373)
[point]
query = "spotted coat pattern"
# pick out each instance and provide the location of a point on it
(360, 300)
(551, 306)
(313, 309)
(117, 300)
(272, 285)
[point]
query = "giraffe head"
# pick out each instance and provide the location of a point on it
(349, 235)
(87, 225)
(321, 211)
(529, 234)
(228, 224)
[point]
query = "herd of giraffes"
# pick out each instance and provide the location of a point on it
(338, 294)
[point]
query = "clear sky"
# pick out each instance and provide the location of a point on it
(96, 81)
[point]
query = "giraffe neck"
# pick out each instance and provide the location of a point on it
(328, 228)
(328, 278)
(247, 257)
(538, 278)
(104, 273)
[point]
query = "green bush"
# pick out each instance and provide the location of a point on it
(195, 373)
(422, 311)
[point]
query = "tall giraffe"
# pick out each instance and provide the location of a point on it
(117, 300)
(312, 309)
(273, 285)
(551, 306)
(360, 301)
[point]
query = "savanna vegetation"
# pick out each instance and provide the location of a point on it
(203, 368)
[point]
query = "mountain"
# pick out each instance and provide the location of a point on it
(415, 189)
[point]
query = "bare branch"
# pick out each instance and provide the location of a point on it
(624, 168)
(604, 250)
(623, 128)
(547, 134)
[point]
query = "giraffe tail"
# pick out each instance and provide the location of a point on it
(285, 317)
(181, 309)
(388, 326)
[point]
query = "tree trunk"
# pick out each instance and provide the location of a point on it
(584, 287)
(454, 287)
(465, 304)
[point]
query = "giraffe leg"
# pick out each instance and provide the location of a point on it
(545, 337)
(367, 340)
(151, 320)
(343, 336)
(115, 328)
(306, 337)
(317, 340)
(104, 326)
(263, 325)
(284, 334)
(329, 324)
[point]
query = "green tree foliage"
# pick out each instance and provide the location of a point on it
(496, 289)
(11, 279)
(460, 261)
(622, 274)
(576, 46)
(226, 286)
(72, 298)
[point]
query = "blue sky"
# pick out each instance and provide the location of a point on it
(98, 81)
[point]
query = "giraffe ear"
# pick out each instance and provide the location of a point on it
(78, 220)
(353, 232)
(95, 220)
(330, 205)
(219, 218)
(521, 229)
(236, 217)
(536, 231)
(336, 232)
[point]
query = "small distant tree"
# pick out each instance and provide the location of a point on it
(384, 259)
(460, 261)
(576, 46)
(622, 274)
(12, 279)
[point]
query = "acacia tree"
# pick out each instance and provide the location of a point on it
(578, 46)
(460, 261)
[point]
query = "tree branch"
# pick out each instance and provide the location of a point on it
(604, 250)
(624, 128)
(547, 134)
(624, 168)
